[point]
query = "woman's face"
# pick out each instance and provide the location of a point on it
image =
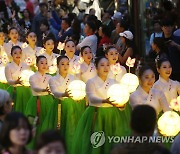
(13, 35)
(52, 148)
(17, 54)
(2, 37)
(165, 69)
(87, 55)
(63, 66)
(20, 135)
(49, 45)
(119, 28)
(148, 78)
(42, 65)
(31, 38)
(112, 55)
(70, 47)
(26, 14)
(103, 67)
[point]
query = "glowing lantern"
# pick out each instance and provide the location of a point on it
(25, 75)
(24, 45)
(169, 124)
(5, 59)
(81, 60)
(118, 94)
(130, 62)
(130, 82)
(42, 51)
(76, 68)
(28, 61)
(77, 89)
(2, 76)
(60, 46)
(175, 104)
(53, 67)
(116, 69)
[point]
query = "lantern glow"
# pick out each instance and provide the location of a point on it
(118, 94)
(169, 124)
(175, 104)
(77, 89)
(25, 75)
(2, 76)
(130, 82)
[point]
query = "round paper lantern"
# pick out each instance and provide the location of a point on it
(130, 82)
(52, 69)
(2, 76)
(25, 75)
(118, 94)
(169, 124)
(175, 104)
(77, 89)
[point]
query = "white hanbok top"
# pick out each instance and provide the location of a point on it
(31, 53)
(38, 83)
(87, 71)
(171, 89)
(96, 90)
(9, 45)
(52, 61)
(4, 59)
(119, 76)
(13, 72)
(72, 61)
(58, 84)
(155, 98)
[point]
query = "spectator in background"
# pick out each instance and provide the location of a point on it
(66, 30)
(106, 20)
(127, 40)
(39, 17)
(30, 7)
(173, 45)
(44, 31)
(76, 27)
(50, 142)
(143, 121)
(26, 21)
(114, 35)
(91, 38)
(5, 106)
(92, 11)
(105, 34)
(120, 27)
(157, 31)
(16, 134)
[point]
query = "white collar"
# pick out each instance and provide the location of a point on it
(67, 29)
(162, 80)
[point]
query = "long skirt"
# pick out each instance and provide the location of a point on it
(94, 127)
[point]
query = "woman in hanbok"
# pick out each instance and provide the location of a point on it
(48, 43)
(13, 35)
(39, 104)
(170, 88)
(116, 72)
(145, 94)
(112, 55)
(3, 61)
(13, 70)
(31, 51)
(70, 49)
(88, 69)
(65, 113)
(101, 117)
